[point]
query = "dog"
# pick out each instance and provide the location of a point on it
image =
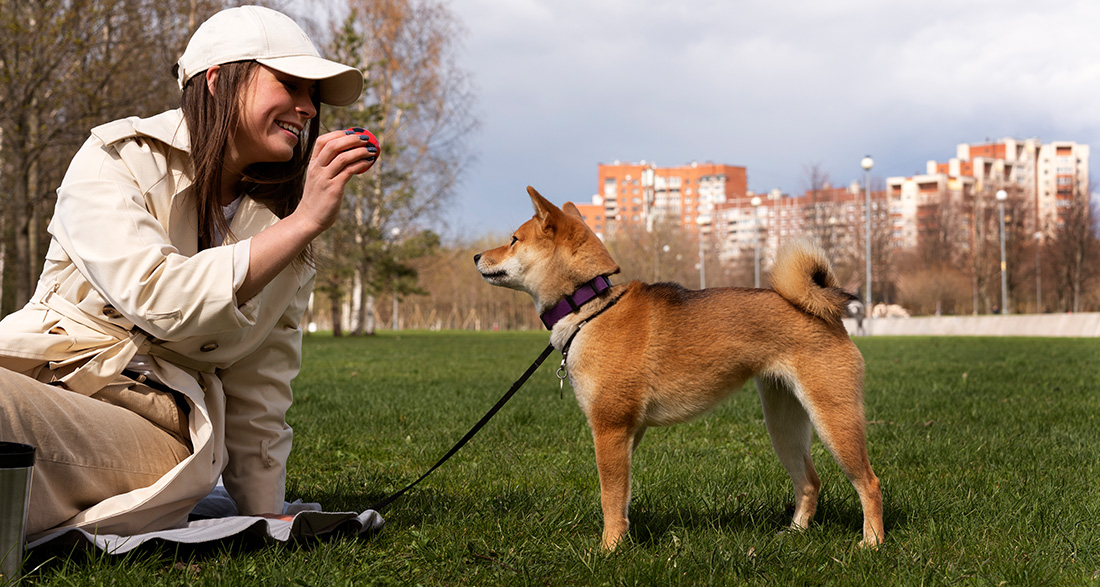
(641, 355)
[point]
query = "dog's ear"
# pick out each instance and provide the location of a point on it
(571, 209)
(544, 210)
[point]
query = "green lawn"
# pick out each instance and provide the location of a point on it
(987, 449)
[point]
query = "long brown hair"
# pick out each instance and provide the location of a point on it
(211, 119)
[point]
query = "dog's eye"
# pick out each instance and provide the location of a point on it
(514, 239)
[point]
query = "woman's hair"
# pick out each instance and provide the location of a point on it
(211, 119)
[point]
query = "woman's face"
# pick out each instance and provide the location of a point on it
(275, 110)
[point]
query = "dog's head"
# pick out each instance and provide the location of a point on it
(549, 256)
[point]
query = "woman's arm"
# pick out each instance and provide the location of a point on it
(336, 159)
(257, 395)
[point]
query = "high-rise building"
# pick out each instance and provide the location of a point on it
(714, 199)
(1051, 176)
(642, 193)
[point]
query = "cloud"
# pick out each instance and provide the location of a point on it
(773, 86)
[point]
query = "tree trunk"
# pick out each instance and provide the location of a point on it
(368, 315)
(334, 315)
(358, 305)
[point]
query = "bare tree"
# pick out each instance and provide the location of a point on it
(418, 104)
(820, 212)
(1073, 250)
(456, 297)
(66, 66)
(1019, 228)
(667, 253)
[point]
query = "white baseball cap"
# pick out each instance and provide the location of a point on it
(255, 33)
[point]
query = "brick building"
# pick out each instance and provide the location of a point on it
(714, 199)
(639, 193)
(1049, 176)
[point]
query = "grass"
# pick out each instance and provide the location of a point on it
(987, 449)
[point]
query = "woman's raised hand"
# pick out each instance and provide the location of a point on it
(337, 157)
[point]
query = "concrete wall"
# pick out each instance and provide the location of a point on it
(1073, 325)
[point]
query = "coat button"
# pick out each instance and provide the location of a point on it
(210, 346)
(110, 312)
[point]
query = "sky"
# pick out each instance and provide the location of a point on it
(775, 86)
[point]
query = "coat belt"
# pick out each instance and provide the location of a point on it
(102, 365)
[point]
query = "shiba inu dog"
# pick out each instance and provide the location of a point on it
(641, 355)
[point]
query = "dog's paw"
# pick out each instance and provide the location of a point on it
(870, 543)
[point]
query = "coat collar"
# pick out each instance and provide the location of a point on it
(168, 127)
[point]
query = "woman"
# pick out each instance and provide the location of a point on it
(157, 352)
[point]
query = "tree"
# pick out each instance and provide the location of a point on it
(66, 66)
(1019, 228)
(456, 296)
(418, 104)
(1073, 249)
(820, 221)
(667, 253)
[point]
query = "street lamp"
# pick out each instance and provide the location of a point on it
(867, 163)
(1038, 273)
(665, 249)
(1001, 197)
(395, 231)
(700, 221)
(756, 201)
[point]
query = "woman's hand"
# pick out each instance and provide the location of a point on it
(337, 157)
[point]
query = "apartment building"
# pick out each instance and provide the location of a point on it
(1051, 176)
(714, 200)
(1062, 177)
(914, 201)
(640, 193)
(833, 216)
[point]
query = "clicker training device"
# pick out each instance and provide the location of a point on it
(373, 146)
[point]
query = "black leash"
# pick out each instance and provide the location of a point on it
(484, 419)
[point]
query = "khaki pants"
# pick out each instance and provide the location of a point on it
(89, 448)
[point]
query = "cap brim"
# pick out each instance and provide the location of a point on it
(340, 85)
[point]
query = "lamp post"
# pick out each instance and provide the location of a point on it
(700, 221)
(395, 231)
(867, 163)
(756, 201)
(665, 249)
(1001, 197)
(1038, 273)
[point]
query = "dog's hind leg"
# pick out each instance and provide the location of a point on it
(614, 448)
(836, 410)
(791, 432)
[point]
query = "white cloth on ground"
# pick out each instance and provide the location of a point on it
(215, 518)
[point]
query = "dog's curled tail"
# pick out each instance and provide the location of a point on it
(802, 274)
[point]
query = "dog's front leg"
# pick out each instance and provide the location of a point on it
(614, 446)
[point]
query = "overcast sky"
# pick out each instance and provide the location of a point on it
(771, 85)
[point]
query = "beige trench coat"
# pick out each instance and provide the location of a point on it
(123, 275)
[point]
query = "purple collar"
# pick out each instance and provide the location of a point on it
(574, 301)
